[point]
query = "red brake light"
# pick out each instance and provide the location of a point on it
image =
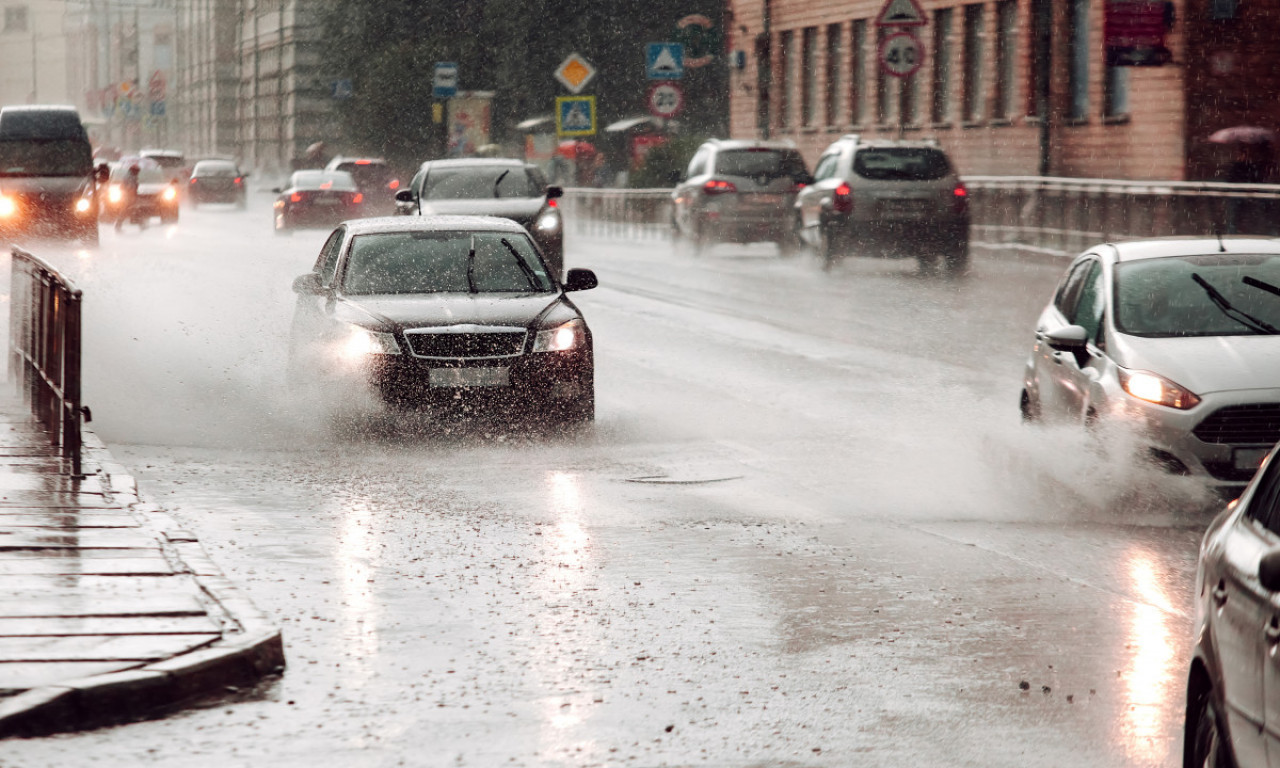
(551, 204)
(842, 201)
(295, 198)
(961, 191)
(393, 184)
(193, 181)
(961, 200)
(238, 179)
(326, 185)
(718, 186)
(362, 162)
(359, 198)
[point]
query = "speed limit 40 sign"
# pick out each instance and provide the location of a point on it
(665, 99)
(901, 54)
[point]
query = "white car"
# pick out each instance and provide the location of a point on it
(1176, 337)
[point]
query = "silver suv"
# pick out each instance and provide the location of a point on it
(739, 192)
(882, 197)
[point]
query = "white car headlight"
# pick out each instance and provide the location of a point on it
(7, 206)
(1157, 389)
(571, 335)
(548, 222)
(169, 194)
(360, 343)
(114, 193)
(82, 205)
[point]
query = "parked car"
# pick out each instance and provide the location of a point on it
(216, 181)
(316, 199)
(440, 310)
(881, 197)
(157, 192)
(739, 191)
(1232, 691)
(375, 178)
(1175, 337)
(512, 189)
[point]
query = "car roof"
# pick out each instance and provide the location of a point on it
(751, 143)
(432, 224)
(464, 162)
(1161, 247)
(160, 152)
(362, 160)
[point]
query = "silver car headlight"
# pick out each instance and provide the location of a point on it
(548, 222)
(562, 338)
(1154, 388)
(360, 343)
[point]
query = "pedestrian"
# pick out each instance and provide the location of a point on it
(129, 199)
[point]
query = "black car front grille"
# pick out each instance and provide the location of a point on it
(1253, 424)
(461, 346)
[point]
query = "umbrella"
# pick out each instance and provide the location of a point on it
(1243, 134)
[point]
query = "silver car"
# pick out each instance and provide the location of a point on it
(1176, 337)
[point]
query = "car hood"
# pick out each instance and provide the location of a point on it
(520, 209)
(1205, 364)
(58, 186)
(437, 310)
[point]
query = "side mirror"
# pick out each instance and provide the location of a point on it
(308, 284)
(1071, 338)
(404, 196)
(554, 191)
(580, 280)
(1269, 571)
(675, 177)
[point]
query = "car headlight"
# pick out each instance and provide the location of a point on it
(170, 194)
(82, 205)
(548, 222)
(114, 194)
(8, 206)
(1157, 389)
(360, 343)
(571, 335)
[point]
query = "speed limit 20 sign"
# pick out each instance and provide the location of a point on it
(901, 54)
(665, 99)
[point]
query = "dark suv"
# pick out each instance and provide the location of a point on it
(882, 197)
(739, 191)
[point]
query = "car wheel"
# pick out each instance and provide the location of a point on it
(956, 259)
(829, 251)
(1030, 410)
(1208, 747)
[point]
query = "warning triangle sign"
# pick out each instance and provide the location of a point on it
(577, 119)
(665, 63)
(901, 13)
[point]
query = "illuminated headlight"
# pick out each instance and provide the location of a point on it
(7, 206)
(170, 194)
(362, 342)
(571, 335)
(114, 194)
(1157, 389)
(82, 205)
(548, 222)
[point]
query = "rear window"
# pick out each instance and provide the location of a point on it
(774, 163)
(482, 182)
(216, 169)
(368, 174)
(337, 180)
(901, 164)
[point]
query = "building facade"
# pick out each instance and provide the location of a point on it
(33, 53)
(1009, 87)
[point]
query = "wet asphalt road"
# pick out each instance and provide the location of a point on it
(807, 528)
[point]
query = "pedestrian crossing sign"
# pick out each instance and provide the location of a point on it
(576, 115)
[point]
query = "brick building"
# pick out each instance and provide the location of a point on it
(1009, 87)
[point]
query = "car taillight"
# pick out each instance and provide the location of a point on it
(552, 204)
(193, 181)
(393, 184)
(239, 180)
(961, 199)
(718, 186)
(842, 200)
(295, 198)
(357, 198)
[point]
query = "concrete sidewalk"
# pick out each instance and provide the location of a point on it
(109, 612)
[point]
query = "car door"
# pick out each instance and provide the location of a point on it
(811, 199)
(1050, 376)
(310, 314)
(1077, 372)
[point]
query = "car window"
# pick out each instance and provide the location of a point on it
(827, 165)
(1089, 307)
(444, 262)
(337, 180)
(368, 174)
(1069, 289)
(215, 169)
(758, 161)
(329, 256)
(1163, 297)
(901, 163)
(478, 183)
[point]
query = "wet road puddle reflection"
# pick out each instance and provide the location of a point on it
(1151, 679)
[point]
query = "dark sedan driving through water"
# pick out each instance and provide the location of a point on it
(444, 310)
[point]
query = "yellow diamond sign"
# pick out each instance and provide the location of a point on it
(575, 72)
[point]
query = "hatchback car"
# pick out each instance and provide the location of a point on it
(442, 311)
(216, 181)
(1233, 683)
(739, 191)
(316, 199)
(157, 193)
(1174, 337)
(512, 189)
(899, 199)
(376, 180)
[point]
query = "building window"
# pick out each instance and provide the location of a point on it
(788, 55)
(909, 99)
(972, 63)
(940, 112)
(1116, 102)
(809, 76)
(1006, 40)
(882, 81)
(15, 18)
(1078, 80)
(834, 60)
(858, 75)
(764, 83)
(1038, 63)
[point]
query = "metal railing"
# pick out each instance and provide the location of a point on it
(44, 351)
(1054, 216)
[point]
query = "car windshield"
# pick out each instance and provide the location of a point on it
(444, 262)
(901, 164)
(759, 161)
(45, 157)
(335, 180)
(1162, 297)
(478, 183)
(148, 171)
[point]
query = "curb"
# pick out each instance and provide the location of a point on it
(250, 648)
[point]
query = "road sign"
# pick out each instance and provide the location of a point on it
(901, 54)
(901, 13)
(700, 38)
(341, 89)
(156, 86)
(665, 99)
(576, 115)
(574, 73)
(664, 61)
(445, 83)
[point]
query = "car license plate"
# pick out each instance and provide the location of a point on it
(903, 208)
(470, 377)
(327, 201)
(766, 199)
(1249, 458)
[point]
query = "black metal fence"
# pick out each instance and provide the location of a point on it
(44, 350)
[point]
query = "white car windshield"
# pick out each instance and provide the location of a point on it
(1163, 297)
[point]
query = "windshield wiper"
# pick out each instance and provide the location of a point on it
(471, 266)
(498, 181)
(1239, 315)
(1254, 282)
(529, 275)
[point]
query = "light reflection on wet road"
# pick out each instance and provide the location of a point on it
(858, 556)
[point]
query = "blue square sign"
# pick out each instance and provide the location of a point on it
(664, 61)
(445, 83)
